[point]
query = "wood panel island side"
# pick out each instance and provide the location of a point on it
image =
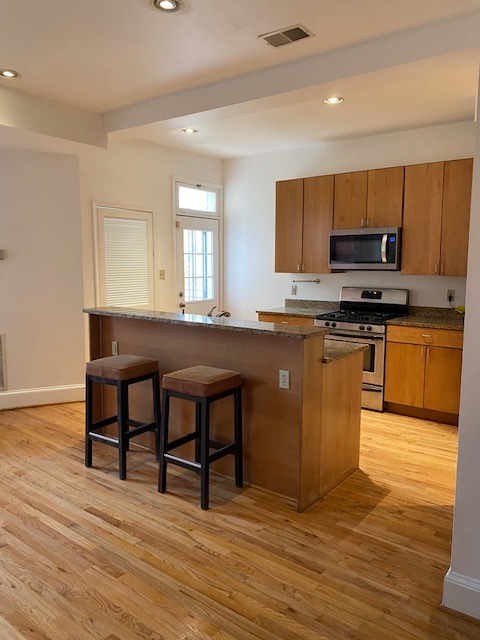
(299, 442)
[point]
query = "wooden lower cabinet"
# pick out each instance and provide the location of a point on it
(404, 374)
(285, 319)
(421, 372)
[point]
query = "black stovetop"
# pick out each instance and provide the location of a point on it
(348, 315)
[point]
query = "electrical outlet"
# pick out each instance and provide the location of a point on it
(284, 379)
(114, 348)
(450, 295)
(161, 274)
(294, 290)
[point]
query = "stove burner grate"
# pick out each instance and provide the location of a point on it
(344, 315)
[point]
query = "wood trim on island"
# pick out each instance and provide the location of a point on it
(286, 431)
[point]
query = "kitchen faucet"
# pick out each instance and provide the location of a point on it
(221, 314)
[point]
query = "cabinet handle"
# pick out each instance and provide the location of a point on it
(362, 222)
(436, 267)
(441, 269)
(299, 268)
(366, 222)
(422, 351)
(427, 338)
(428, 352)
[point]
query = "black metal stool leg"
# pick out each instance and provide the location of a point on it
(156, 413)
(122, 413)
(162, 464)
(238, 437)
(198, 429)
(88, 420)
(204, 453)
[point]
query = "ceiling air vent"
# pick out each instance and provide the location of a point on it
(285, 36)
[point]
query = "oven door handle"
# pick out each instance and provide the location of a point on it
(354, 336)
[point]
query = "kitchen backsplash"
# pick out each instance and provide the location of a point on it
(424, 291)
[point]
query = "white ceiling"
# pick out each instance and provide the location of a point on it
(205, 67)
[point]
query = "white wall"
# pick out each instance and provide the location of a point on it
(140, 175)
(46, 217)
(462, 583)
(250, 281)
(41, 289)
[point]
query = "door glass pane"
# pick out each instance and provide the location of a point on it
(198, 264)
(197, 199)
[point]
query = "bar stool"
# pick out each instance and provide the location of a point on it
(202, 385)
(120, 372)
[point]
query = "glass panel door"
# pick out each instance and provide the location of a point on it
(197, 265)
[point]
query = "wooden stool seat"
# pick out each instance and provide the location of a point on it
(120, 371)
(201, 381)
(202, 385)
(121, 367)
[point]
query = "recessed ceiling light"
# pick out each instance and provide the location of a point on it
(9, 73)
(333, 100)
(168, 6)
(189, 130)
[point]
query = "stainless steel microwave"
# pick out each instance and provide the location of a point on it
(366, 249)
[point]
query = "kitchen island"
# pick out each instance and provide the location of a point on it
(297, 441)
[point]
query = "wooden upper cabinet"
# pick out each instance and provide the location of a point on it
(289, 225)
(369, 198)
(457, 193)
(385, 197)
(430, 202)
(422, 215)
(317, 222)
(350, 201)
(304, 214)
(436, 218)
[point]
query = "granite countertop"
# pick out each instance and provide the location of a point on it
(427, 317)
(298, 312)
(226, 324)
(302, 308)
(431, 318)
(429, 322)
(336, 349)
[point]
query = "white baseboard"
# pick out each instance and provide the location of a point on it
(44, 395)
(461, 593)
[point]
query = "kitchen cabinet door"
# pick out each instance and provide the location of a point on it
(350, 200)
(289, 226)
(385, 197)
(443, 371)
(317, 222)
(285, 319)
(422, 218)
(404, 374)
(457, 193)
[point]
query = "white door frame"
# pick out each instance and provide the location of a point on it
(183, 213)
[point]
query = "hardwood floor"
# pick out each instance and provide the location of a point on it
(87, 556)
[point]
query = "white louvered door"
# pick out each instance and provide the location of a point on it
(125, 258)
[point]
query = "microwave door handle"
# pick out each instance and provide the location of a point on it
(384, 247)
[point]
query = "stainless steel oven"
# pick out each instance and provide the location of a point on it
(361, 319)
